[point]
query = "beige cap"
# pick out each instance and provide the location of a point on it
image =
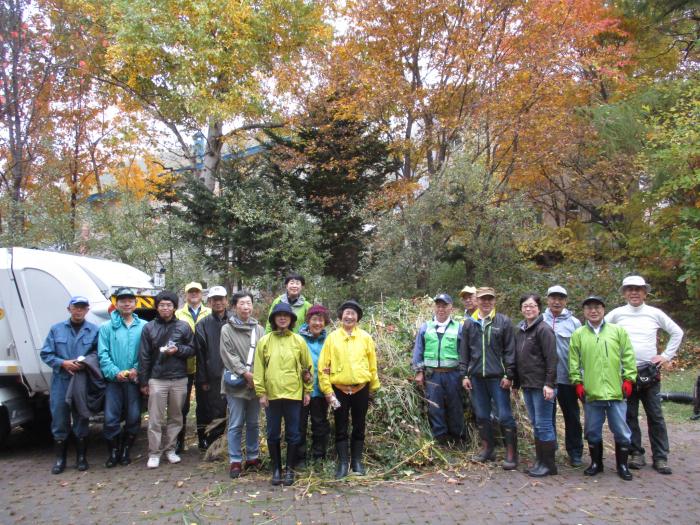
(467, 290)
(485, 290)
(194, 285)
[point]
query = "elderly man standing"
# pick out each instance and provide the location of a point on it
(436, 363)
(487, 364)
(211, 404)
(601, 368)
(642, 323)
(65, 347)
(192, 312)
(563, 322)
(468, 296)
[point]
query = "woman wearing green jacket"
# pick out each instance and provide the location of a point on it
(281, 360)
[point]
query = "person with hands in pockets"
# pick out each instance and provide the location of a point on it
(603, 371)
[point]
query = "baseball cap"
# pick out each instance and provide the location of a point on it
(593, 299)
(467, 290)
(557, 289)
(78, 299)
(194, 285)
(634, 280)
(124, 292)
(485, 290)
(443, 297)
(217, 291)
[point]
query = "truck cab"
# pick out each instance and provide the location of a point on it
(35, 286)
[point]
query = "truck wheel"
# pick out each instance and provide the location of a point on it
(4, 426)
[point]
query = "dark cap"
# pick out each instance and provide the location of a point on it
(593, 299)
(282, 308)
(124, 292)
(353, 305)
(78, 299)
(443, 297)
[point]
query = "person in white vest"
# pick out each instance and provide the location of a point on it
(642, 323)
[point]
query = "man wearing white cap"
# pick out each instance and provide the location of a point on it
(642, 322)
(207, 335)
(564, 324)
(468, 296)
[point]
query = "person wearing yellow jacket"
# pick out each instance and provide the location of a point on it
(347, 376)
(282, 373)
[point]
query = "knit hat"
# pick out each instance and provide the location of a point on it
(318, 309)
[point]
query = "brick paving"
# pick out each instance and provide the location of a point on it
(200, 492)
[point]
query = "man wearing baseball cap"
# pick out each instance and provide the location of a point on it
(642, 323)
(601, 368)
(564, 323)
(436, 363)
(65, 346)
(192, 312)
(468, 296)
(207, 336)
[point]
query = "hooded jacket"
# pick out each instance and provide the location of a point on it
(233, 352)
(155, 364)
(563, 325)
(351, 359)
(207, 338)
(280, 359)
(487, 350)
(315, 345)
(535, 355)
(299, 307)
(118, 345)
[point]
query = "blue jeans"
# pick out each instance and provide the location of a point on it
(243, 411)
(443, 390)
(485, 390)
(290, 410)
(616, 411)
(61, 413)
(540, 412)
(122, 399)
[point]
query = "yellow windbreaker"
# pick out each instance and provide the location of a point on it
(352, 360)
(280, 359)
(183, 314)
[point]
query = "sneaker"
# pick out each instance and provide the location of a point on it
(253, 464)
(172, 457)
(153, 462)
(636, 461)
(662, 467)
(235, 470)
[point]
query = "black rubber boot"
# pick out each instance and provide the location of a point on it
(537, 467)
(511, 438)
(547, 465)
(356, 449)
(319, 447)
(202, 441)
(342, 469)
(113, 450)
(487, 444)
(127, 445)
(291, 461)
(622, 453)
(60, 448)
(300, 456)
(82, 463)
(276, 461)
(596, 466)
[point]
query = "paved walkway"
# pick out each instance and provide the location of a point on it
(198, 492)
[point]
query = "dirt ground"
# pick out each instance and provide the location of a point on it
(196, 491)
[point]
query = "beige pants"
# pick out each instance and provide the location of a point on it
(164, 394)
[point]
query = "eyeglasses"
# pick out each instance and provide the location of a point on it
(529, 306)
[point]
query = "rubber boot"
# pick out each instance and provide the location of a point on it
(113, 450)
(356, 449)
(202, 441)
(537, 467)
(82, 463)
(300, 456)
(276, 461)
(622, 453)
(342, 469)
(60, 448)
(291, 461)
(596, 452)
(547, 465)
(487, 444)
(511, 438)
(319, 447)
(127, 445)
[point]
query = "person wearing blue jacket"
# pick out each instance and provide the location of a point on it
(67, 343)
(563, 322)
(314, 333)
(118, 350)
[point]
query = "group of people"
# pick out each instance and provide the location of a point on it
(609, 363)
(297, 370)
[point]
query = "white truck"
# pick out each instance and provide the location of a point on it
(35, 286)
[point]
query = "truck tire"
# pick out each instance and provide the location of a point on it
(4, 426)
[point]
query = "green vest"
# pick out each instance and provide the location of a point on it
(441, 352)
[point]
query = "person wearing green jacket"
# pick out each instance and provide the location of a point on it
(603, 370)
(294, 284)
(282, 375)
(118, 351)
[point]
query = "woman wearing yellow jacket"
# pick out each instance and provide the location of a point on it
(347, 375)
(281, 361)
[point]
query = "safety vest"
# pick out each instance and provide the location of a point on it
(441, 352)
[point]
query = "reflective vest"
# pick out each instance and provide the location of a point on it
(441, 352)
